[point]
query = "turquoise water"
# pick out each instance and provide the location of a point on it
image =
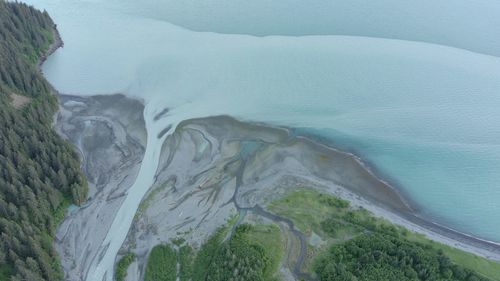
(412, 86)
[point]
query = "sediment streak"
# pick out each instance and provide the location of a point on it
(103, 263)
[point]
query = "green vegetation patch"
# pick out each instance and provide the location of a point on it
(186, 260)
(5, 272)
(238, 258)
(377, 256)
(252, 253)
(312, 211)
(245, 256)
(269, 237)
(122, 266)
(362, 247)
(207, 253)
(162, 264)
(483, 266)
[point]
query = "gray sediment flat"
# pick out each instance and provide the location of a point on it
(110, 135)
(211, 169)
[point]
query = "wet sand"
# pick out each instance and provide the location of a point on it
(364, 188)
(210, 169)
(108, 131)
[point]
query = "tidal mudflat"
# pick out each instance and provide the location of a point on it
(210, 170)
(109, 133)
(416, 96)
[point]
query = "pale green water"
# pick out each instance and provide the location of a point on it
(426, 115)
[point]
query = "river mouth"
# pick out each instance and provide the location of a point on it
(420, 107)
(208, 169)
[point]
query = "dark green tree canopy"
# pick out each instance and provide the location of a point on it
(39, 172)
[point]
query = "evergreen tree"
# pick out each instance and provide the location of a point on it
(39, 172)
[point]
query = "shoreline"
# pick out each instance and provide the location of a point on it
(400, 215)
(438, 228)
(322, 167)
(432, 230)
(58, 43)
(382, 203)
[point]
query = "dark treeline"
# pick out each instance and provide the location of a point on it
(39, 172)
(25, 34)
(381, 251)
(378, 256)
(239, 258)
(162, 264)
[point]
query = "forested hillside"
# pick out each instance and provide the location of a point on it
(39, 172)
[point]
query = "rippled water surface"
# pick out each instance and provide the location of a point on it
(411, 86)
